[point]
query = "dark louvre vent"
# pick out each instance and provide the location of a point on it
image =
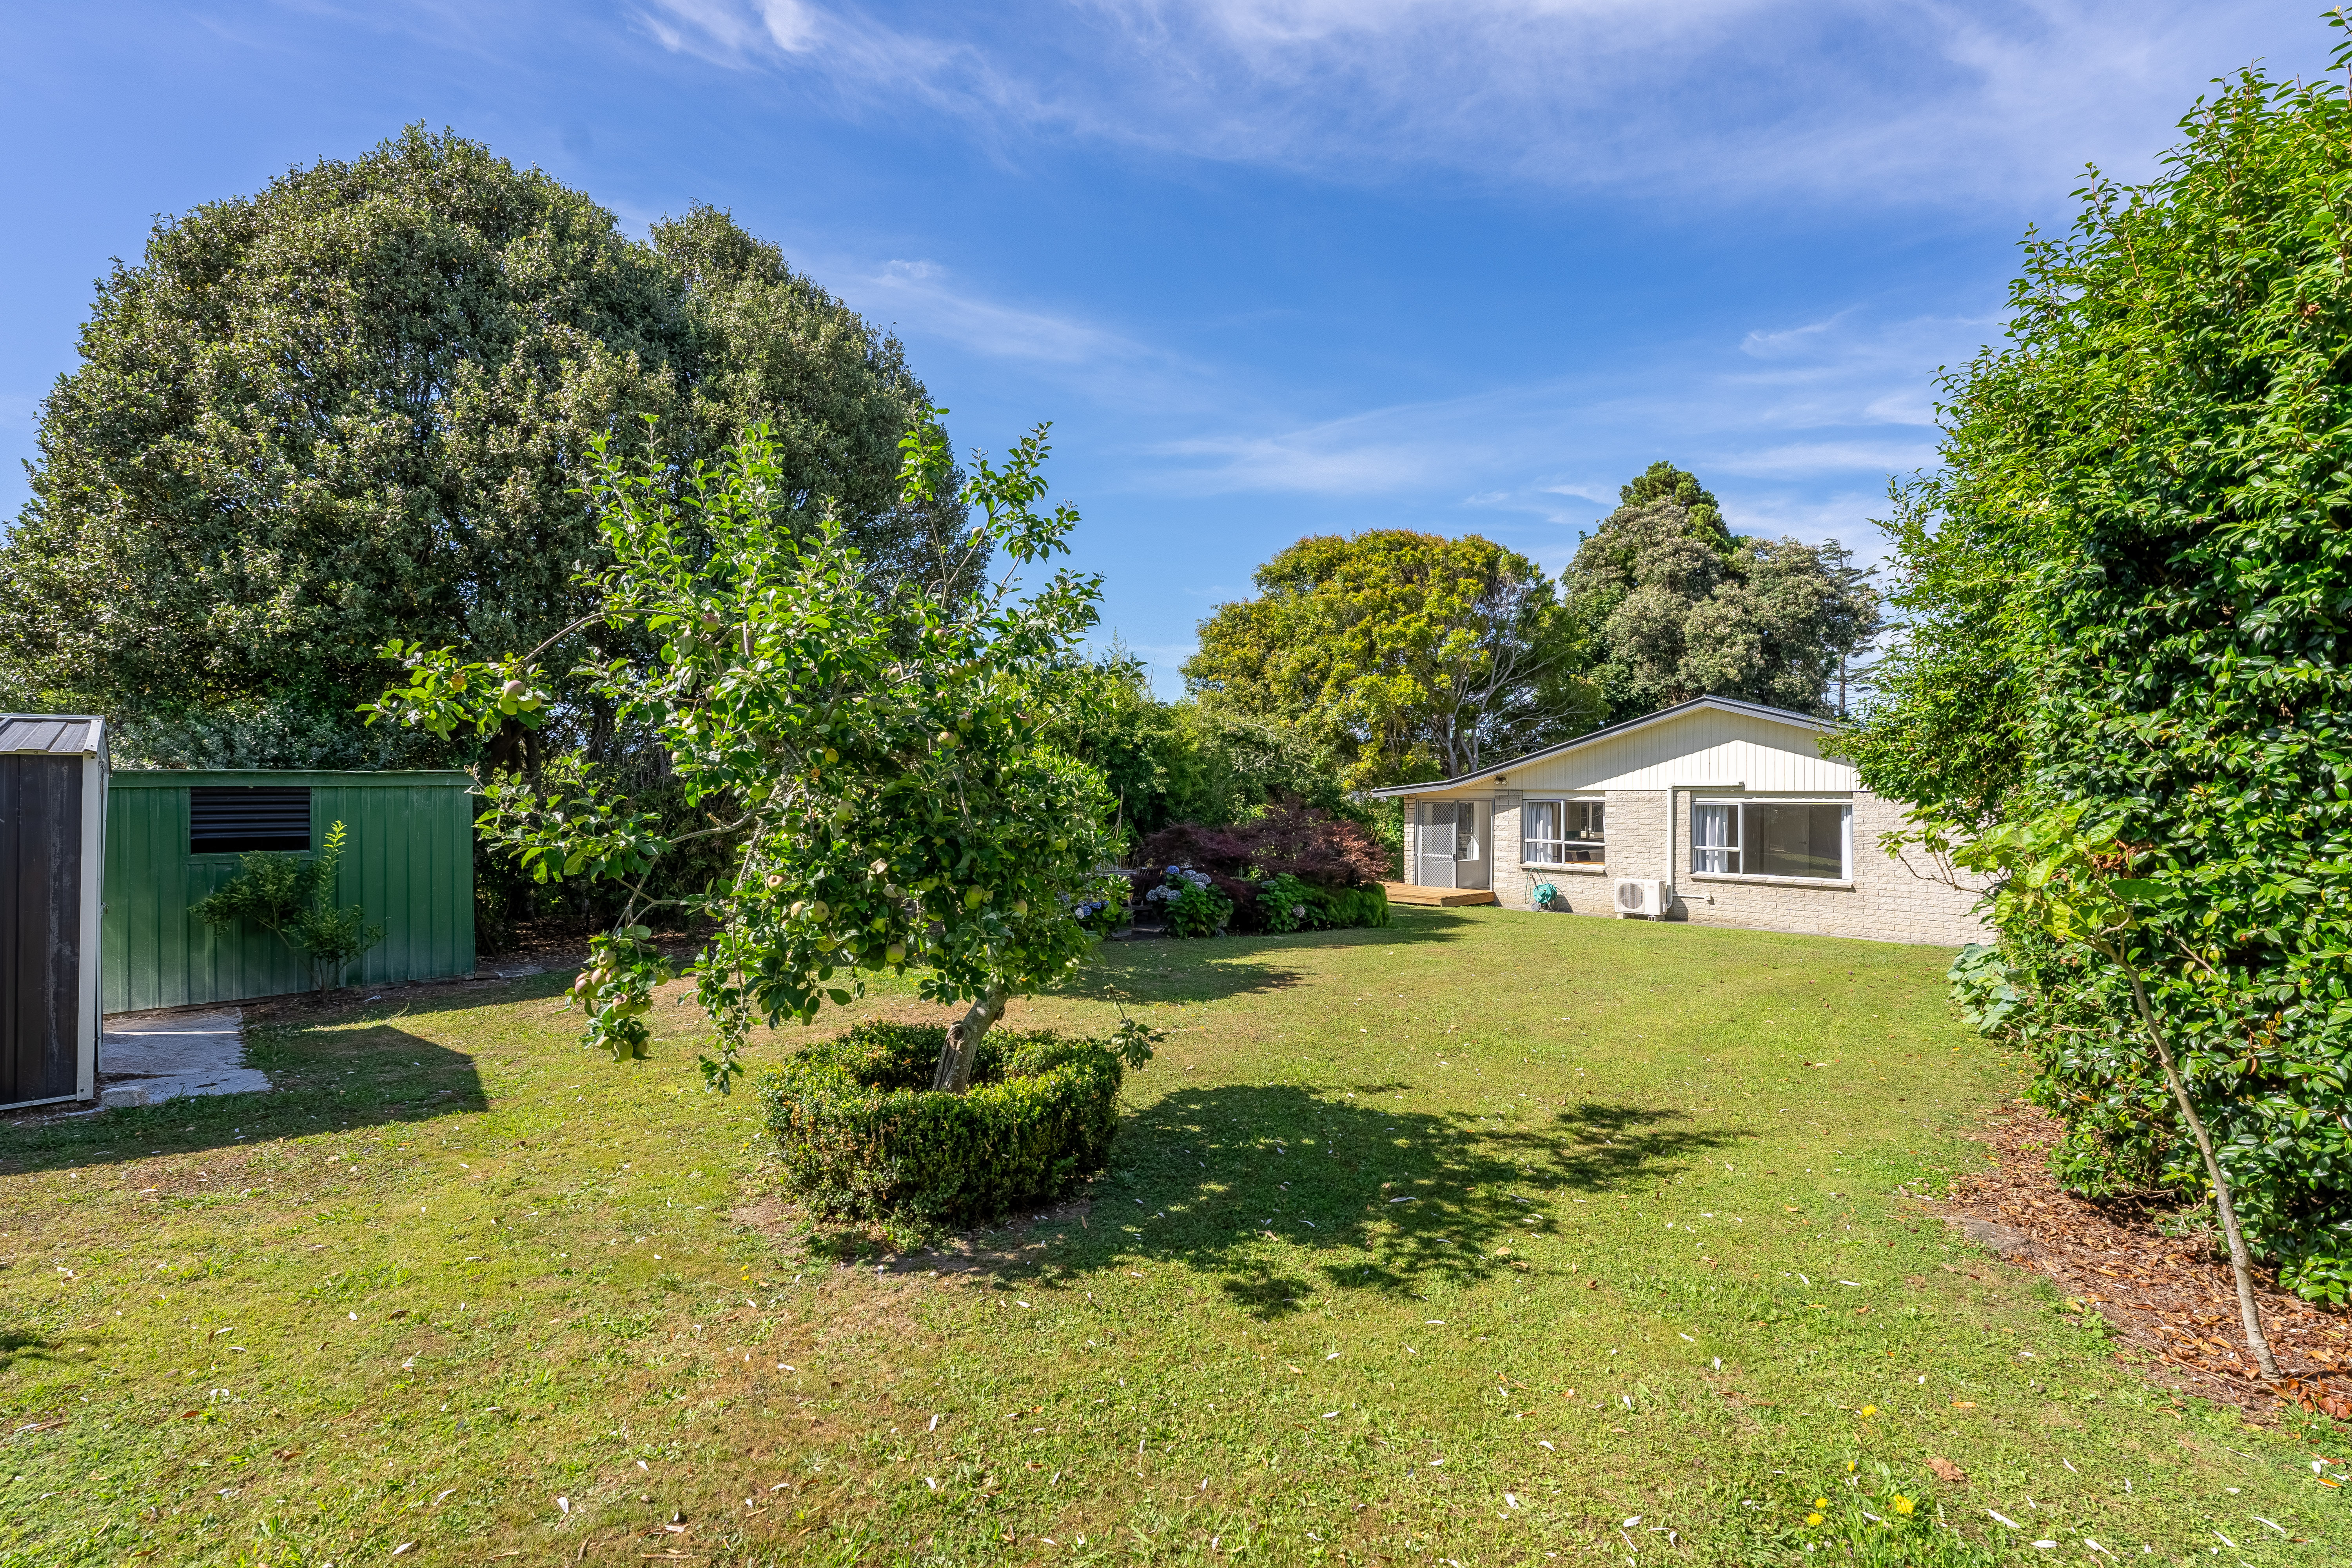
(231, 819)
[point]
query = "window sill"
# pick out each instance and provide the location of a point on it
(1584, 869)
(1832, 883)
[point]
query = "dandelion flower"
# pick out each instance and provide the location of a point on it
(1904, 1505)
(1813, 1519)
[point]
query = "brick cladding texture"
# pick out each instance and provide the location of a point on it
(1887, 902)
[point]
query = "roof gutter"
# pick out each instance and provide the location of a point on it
(1727, 704)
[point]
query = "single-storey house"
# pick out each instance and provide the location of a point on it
(1714, 811)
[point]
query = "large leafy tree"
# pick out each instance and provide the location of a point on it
(360, 405)
(1403, 656)
(879, 755)
(1671, 606)
(1187, 761)
(2125, 597)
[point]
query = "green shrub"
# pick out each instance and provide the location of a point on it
(1284, 905)
(865, 1137)
(1199, 911)
(1347, 908)
(293, 898)
(2123, 593)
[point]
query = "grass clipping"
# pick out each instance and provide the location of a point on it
(865, 1138)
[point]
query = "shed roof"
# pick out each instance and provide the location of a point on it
(57, 734)
(1722, 704)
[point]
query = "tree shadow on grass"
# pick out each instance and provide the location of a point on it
(16, 1343)
(1163, 969)
(326, 1075)
(1237, 1180)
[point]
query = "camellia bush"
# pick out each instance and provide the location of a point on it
(875, 747)
(2125, 602)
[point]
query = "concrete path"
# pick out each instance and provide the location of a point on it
(162, 1055)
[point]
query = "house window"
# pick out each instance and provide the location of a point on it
(1800, 840)
(232, 820)
(1562, 833)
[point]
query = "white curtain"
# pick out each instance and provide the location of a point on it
(1715, 839)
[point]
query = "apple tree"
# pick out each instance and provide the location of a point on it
(876, 749)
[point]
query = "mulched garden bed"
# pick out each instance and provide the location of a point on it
(2170, 1296)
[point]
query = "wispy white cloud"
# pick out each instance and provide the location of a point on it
(1802, 448)
(1892, 101)
(1382, 451)
(924, 294)
(1832, 405)
(1768, 344)
(1809, 459)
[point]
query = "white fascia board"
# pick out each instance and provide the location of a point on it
(1499, 774)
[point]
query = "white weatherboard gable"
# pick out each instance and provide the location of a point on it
(1704, 746)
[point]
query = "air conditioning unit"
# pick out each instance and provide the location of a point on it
(1642, 899)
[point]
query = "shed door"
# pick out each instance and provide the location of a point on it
(1437, 843)
(40, 927)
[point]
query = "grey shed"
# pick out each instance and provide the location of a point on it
(52, 832)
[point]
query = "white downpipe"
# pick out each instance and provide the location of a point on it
(1666, 895)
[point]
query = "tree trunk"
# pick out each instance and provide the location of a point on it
(2241, 1261)
(514, 749)
(954, 1074)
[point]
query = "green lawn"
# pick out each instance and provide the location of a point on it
(1466, 1242)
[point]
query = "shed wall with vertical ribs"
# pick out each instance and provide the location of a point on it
(408, 862)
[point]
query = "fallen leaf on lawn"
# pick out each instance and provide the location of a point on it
(1946, 1471)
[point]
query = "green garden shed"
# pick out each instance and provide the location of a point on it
(173, 837)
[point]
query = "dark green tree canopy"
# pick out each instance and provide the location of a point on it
(1663, 481)
(358, 404)
(1669, 605)
(1187, 761)
(1402, 656)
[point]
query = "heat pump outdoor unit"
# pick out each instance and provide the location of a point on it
(1639, 899)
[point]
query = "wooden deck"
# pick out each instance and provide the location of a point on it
(1436, 898)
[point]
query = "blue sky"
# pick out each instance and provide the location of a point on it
(1272, 267)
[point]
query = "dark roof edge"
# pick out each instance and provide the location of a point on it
(87, 738)
(1727, 704)
(316, 778)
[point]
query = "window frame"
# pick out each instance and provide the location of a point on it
(1742, 838)
(1599, 845)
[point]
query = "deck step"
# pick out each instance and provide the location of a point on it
(1436, 898)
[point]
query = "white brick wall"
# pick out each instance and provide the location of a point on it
(1887, 902)
(1507, 880)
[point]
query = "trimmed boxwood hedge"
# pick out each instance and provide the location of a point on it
(865, 1137)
